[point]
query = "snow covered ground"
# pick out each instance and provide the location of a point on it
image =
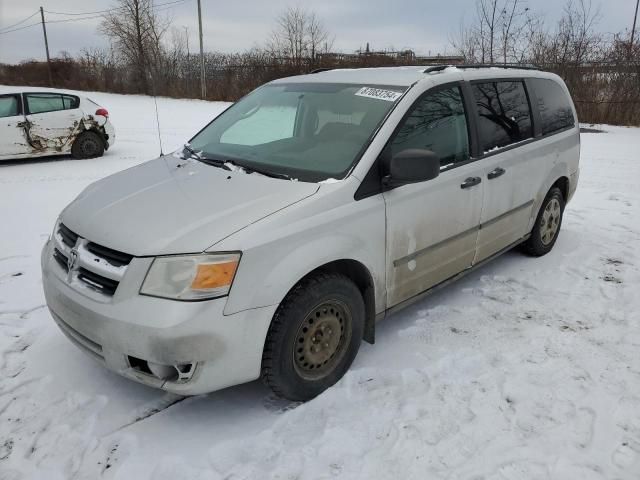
(526, 369)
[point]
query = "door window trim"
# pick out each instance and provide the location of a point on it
(372, 183)
(431, 91)
(534, 116)
(367, 187)
(27, 111)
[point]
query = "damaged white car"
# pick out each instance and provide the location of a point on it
(43, 123)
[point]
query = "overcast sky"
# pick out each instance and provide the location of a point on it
(423, 25)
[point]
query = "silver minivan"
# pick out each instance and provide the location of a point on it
(271, 244)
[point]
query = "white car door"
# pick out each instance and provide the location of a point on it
(13, 141)
(432, 227)
(53, 121)
(504, 128)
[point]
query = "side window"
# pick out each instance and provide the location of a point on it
(554, 105)
(44, 102)
(437, 123)
(70, 102)
(505, 116)
(9, 106)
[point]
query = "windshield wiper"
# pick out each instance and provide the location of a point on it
(201, 158)
(261, 171)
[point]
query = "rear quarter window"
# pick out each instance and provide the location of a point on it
(554, 104)
(70, 102)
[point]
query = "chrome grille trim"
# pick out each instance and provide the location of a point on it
(98, 268)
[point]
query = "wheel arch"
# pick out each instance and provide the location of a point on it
(360, 275)
(563, 184)
(91, 125)
(557, 177)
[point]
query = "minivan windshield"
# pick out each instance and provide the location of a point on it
(306, 131)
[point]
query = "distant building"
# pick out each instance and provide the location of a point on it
(403, 56)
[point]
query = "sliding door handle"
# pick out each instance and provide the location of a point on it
(471, 182)
(498, 172)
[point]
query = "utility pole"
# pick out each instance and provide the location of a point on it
(46, 46)
(203, 83)
(633, 29)
(188, 75)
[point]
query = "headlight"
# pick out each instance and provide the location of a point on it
(191, 277)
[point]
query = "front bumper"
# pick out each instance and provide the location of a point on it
(225, 350)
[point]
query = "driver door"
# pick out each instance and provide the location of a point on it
(432, 227)
(13, 141)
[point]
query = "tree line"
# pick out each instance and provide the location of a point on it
(147, 55)
(601, 70)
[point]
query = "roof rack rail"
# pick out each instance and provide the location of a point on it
(439, 68)
(320, 70)
(436, 68)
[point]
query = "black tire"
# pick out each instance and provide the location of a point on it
(88, 145)
(295, 363)
(547, 227)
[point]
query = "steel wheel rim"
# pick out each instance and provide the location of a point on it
(322, 339)
(89, 147)
(550, 221)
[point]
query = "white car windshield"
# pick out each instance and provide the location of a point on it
(308, 131)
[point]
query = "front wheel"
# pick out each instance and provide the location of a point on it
(547, 227)
(314, 336)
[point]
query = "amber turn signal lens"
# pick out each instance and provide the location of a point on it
(214, 275)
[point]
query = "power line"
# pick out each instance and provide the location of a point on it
(115, 9)
(166, 5)
(20, 28)
(74, 19)
(21, 21)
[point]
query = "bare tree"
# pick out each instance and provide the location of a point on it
(136, 33)
(298, 37)
(319, 41)
(498, 32)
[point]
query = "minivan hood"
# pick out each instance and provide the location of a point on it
(170, 205)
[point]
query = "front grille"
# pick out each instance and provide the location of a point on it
(98, 282)
(61, 258)
(69, 238)
(87, 268)
(114, 257)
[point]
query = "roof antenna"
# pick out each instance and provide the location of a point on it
(155, 101)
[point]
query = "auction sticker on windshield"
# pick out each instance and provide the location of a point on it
(379, 93)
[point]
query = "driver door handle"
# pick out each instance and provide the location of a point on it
(498, 172)
(471, 182)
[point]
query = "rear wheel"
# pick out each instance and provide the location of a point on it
(547, 227)
(314, 336)
(88, 145)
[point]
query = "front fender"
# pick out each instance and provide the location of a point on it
(290, 248)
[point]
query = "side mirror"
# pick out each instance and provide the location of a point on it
(412, 166)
